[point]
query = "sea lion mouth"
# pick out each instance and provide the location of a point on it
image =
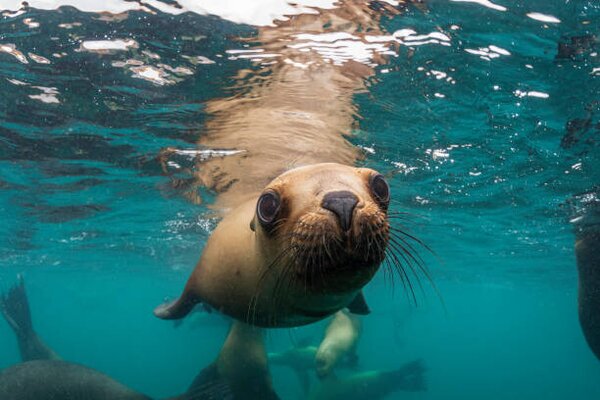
(336, 258)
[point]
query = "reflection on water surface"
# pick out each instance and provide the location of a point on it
(482, 114)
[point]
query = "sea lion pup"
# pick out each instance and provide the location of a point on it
(341, 337)
(301, 252)
(371, 385)
(587, 250)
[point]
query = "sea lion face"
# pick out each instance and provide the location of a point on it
(324, 227)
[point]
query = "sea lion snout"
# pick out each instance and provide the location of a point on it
(342, 204)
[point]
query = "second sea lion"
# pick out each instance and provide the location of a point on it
(240, 371)
(341, 337)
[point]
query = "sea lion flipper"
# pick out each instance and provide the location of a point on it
(359, 305)
(209, 384)
(176, 309)
(14, 306)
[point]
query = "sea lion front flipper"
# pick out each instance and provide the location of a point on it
(359, 305)
(177, 309)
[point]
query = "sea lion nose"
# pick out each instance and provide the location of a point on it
(342, 204)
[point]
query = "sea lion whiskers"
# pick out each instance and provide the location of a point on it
(396, 232)
(280, 287)
(413, 255)
(404, 255)
(401, 271)
(254, 300)
(399, 245)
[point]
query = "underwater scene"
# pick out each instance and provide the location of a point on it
(388, 199)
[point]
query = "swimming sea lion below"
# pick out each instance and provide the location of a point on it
(372, 385)
(42, 375)
(300, 252)
(301, 359)
(341, 338)
(240, 371)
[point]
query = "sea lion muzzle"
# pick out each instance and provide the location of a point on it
(342, 204)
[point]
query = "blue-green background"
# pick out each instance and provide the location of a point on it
(496, 211)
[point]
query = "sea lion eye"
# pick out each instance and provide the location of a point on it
(268, 207)
(380, 189)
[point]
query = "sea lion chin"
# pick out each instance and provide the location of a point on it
(300, 252)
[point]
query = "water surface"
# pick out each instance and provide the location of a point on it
(485, 116)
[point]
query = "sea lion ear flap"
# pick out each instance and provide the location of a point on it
(359, 305)
(253, 224)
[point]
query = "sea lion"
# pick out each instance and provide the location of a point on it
(55, 379)
(341, 337)
(371, 385)
(301, 359)
(588, 264)
(43, 376)
(320, 226)
(300, 252)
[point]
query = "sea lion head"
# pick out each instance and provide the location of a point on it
(324, 227)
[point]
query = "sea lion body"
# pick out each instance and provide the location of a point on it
(588, 264)
(240, 371)
(42, 375)
(55, 379)
(306, 265)
(372, 385)
(341, 338)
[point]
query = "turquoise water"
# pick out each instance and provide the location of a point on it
(490, 153)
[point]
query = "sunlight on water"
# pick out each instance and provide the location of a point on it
(127, 129)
